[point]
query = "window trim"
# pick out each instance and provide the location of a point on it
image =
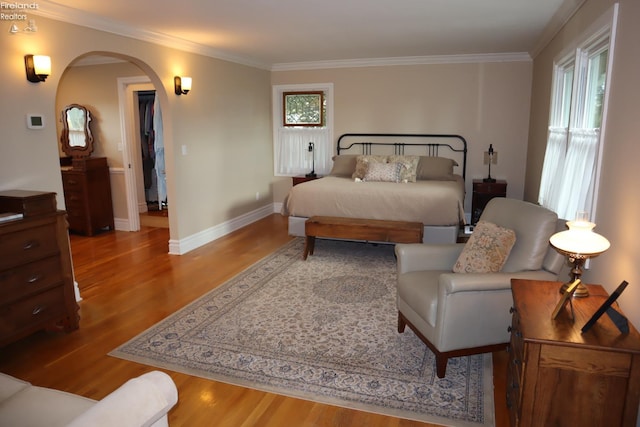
(277, 119)
(589, 42)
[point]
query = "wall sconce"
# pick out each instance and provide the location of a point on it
(490, 157)
(38, 67)
(182, 85)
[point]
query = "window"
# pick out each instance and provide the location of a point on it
(302, 114)
(570, 171)
(303, 109)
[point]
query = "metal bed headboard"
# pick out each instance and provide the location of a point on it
(432, 148)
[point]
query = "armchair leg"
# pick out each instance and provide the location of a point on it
(401, 323)
(441, 364)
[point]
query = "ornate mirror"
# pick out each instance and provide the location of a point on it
(76, 138)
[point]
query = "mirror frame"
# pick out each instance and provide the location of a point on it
(75, 151)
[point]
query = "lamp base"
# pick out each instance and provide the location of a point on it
(580, 292)
(311, 175)
(489, 179)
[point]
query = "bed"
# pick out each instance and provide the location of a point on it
(400, 177)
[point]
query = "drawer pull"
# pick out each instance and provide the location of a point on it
(72, 181)
(512, 310)
(30, 245)
(34, 278)
(517, 362)
(39, 309)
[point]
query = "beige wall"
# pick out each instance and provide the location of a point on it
(484, 102)
(224, 122)
(618, 206)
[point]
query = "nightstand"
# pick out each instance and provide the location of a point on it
(559, 376)
(482, 193)
(300, 179)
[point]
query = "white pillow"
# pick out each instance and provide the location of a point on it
(383, 172)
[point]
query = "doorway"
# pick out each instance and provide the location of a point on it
(154, 181)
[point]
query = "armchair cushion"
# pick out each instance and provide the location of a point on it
(487, 249)
(533, 225)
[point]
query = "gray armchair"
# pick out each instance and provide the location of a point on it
(458, 314)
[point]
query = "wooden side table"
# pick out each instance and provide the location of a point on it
(559, 376)
(482, 193)
(300, 179)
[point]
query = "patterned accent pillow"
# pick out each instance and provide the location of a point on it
(487, 249)
(363, 162)
(409, 167)
(383, 172)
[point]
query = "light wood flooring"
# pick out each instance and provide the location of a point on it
(128, 282)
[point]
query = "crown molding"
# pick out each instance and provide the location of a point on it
(565, 12)
(406, 60)
(73, 16)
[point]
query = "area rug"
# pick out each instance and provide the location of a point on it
(325, 330)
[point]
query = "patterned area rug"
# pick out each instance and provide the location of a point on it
(323, 330)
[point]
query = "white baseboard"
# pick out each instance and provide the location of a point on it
(182, 246)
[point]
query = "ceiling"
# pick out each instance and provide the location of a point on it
(272, 33)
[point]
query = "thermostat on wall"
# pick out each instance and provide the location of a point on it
(35, 121)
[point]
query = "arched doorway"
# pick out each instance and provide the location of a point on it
(108, 85)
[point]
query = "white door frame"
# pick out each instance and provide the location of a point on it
(130, 157)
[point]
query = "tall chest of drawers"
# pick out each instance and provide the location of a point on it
(36, 276)
(558, 376)
(87, 195)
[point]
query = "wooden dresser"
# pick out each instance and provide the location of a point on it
(558, 376)
(87, 195)
(36, 276)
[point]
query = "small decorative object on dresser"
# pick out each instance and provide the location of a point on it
(560, 376)
(482, 193)
(36, 277)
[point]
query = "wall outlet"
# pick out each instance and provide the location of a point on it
(257, 195)
(184, 150)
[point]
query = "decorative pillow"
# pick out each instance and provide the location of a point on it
(383, 172)
(343, 165)
(435, 168)
(487, 249)
(409, 167)
(362, 164)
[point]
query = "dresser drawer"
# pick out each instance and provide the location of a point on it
(73, 182)
(72, 197)
(29, 279)
(32, 312)
(28, 245)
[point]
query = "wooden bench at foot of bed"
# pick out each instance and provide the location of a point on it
(360, 229)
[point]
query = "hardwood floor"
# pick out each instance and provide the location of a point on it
(128, 282)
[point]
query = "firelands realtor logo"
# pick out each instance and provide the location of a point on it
(14, 11)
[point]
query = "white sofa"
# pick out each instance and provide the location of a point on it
(141, 401)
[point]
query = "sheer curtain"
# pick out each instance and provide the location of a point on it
(552, 168)
(293, 156)
(579, 170)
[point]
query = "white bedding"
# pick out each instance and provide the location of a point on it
(431, 202)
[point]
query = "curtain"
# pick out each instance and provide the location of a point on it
(292, 152)
(554, 158)
(578, 174)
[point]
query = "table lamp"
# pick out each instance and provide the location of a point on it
(490, 157)
(579, 243)
(312, 150)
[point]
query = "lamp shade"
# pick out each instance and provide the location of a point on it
(42, 65)
(580, 240)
